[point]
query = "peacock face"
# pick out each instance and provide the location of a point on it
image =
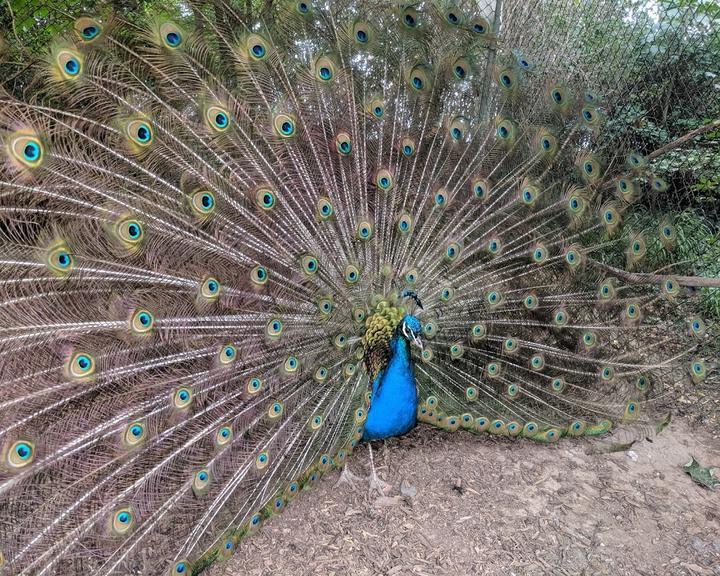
(412, 329)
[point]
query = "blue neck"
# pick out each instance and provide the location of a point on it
(393, 409)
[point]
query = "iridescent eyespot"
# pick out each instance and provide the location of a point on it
(505, 130)
(407, 147)
(228, 353)
(352, 274)
(182, 398)
(259, 275)
(531, 302)
(480, 26)
(80, 365)
(480, 188)
(202, 202)
(430, 329)
(558, 384)
(419, 78)
(257, 47)
(409, 17)
(458, 128)
(134, 434)
(343, 143)
(671, 287)
(461, 68)
(376, 108)
(494, 246)
(291, 365)
(590, 116)
(70, 64)
(441, 198)
(492, 369)
(560, 317)
(171, 36)
(636, 161)
(632, 409)
(576, 205)
(130, 231)
(139, 132)
(478, 332)
(539, 253)
(224, 435)
(358, 314)
(405, 223)
(309, 264)
(274, 328)
(513, 390)
(265, 198)
(384, 179)
(217, 118)
(658, 184)
(456, 350)
(427, 355)
(697, 326)
(340, 341)
(87, 29)
(506, 79)
(182, 568)
(321, 374)
(642, 382)
(325, 306)
(316, 422)
(632, 311)
(303, 8)
(275, 410)
(446, 293)
(589, 339)
(284, 125)
(324, 208)
(142, 321)
(361, 32)
(607, 373)
(324, 69)
(360, 416)
(20, 454)
(26, 149)
(573, 258)
(210, 288)
(254, 385)
(511, 345)
(454, 17)
(59, 259)
(364, 230)
(452, 251)
(698, 370)
(494, 298)
(123, 521)
(537, 362)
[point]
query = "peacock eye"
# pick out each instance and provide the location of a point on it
(142, 321)
(20, 454)
(265, 199)
(202, 203)
(309, 264)
(228, 353)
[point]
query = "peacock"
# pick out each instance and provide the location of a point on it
(235, 242)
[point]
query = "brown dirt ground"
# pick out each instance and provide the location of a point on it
(487, 506)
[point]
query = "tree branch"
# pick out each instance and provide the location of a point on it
(684, 138)
(645, 278)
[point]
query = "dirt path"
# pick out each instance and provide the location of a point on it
(487, 506)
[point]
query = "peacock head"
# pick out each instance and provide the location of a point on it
(411, 329)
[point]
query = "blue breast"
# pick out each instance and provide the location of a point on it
(393, 410)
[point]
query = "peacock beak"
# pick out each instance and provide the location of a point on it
(410, 335)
